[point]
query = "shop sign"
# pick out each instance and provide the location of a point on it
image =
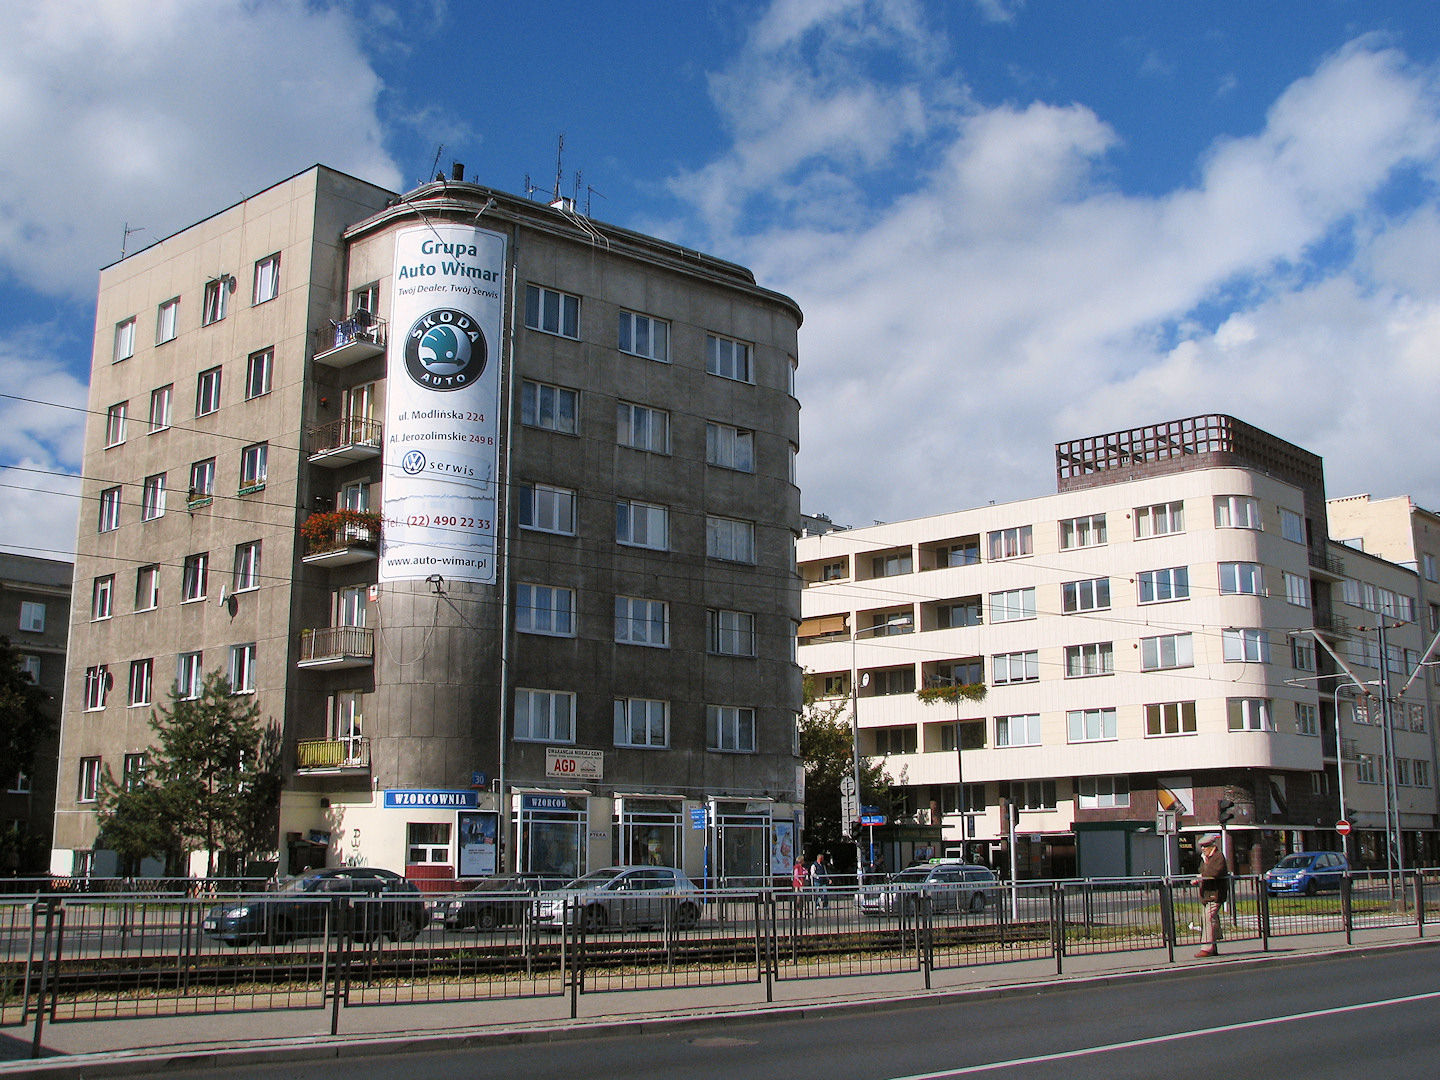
(566, 763)
(431, 799)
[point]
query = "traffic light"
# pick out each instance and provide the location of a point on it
(1226, 812)
(857, 831)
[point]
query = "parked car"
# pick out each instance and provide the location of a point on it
(946, 886)
(623, 896)
(1306, 872)
(374, 903)
(496, 901)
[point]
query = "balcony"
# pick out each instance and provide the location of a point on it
(340, 537)
(333, 647)
(348, 341)
(1328, 565)
(343, 441)
(1327, 622)
(332, 755)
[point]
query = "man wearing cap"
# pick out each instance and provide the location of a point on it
(1214, 883)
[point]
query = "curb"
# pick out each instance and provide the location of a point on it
(329, 1048)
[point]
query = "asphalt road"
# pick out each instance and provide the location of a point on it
(1366, 1014)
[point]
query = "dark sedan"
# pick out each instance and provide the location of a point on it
(497, 901)
(365, 901)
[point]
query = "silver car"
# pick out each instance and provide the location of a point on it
(945, 886)
(623, 896)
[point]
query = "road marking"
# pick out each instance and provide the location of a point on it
(1158, 1039)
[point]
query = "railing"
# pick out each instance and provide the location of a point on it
(335, 642)
(345, 534)
(1329, 563)
(1329, 620)
(332, 753)
(341, 434)
(360, 328)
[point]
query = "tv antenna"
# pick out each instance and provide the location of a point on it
(434, 164)
(125, 242)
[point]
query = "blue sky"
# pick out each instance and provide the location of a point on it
(1008, 222)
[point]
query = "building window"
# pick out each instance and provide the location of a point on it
(188, 678)
(19, 783)
(367, 298)
(30, 665)
(1090, 725)
(1019, 730)
(731, 633)
(147, 587)
(1249, 714)
(202, 481)
(546, 509)
(966, 612)
(1082, 532)
(152, 497)
(207, 392)
(97, 687)
(1090, 595)
(1236, 512)
(1161, 519)
(641, 722)
(1292, 526)
(1365, 769)
(893, 682)
(247, 567)
(102, 598)
(892, 565)
(642, 428)
(729, 447)
(1029, 794)
(1297, 590)
(1166, 651)
(544, 716)
(142, 676)
(1422, 772)
(644, 525)
(89, 789)
(729, 539)
(252, 467)
(545, 609)
(1302, 654)
(963, 553)
(895, 740)
(1012, 605)
(124, 340)
(552, 312)
(550, 407)
(258, 368)
(160, 407)
(1170, 718)
(1246, 646)
(133, 771)
(1103, 792)
(427, 842)
(32, 616)
(242, 668)
(1307, 719)
(729, 728)
(167, 319)
(1241, 578)
(1427, 567)
(217, 300)
(728, 359)
(839, 571)
(267, 279)
(1015, 667)
(640, 335)
(967, 672)
(1161, 586)
(642, 622)
(1082, 661)
(1011, 543)
(115, 423)
(195, 580)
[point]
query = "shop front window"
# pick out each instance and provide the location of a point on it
(552, 835)
(648, 832)
(744, 843)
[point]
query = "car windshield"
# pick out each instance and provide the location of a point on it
(913, 875)
(304, 884)
(1295, 862)
(595, 877)
(500, 884)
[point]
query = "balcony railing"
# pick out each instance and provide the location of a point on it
(327, 754)
(337, 647)
(348, 542)
(1321, 560)
(348, 341)
(343, 441)
(1329, 622)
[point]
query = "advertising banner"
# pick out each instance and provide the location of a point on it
(477, 844)
(442, 404)
(563, 762)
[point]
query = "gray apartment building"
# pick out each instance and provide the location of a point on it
(491, 506)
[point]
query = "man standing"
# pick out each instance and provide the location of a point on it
(820, 880)
(1214, 883)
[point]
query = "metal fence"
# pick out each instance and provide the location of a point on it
(95, 955)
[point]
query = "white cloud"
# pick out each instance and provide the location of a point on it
(155, 112)
(39, 495)
(1012, 297)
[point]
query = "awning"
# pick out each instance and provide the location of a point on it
(825, 624)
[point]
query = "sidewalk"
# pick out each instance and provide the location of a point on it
(133, 1047)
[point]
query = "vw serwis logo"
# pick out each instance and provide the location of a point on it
(444, 350)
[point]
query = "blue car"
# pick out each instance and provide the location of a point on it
(1306, 872)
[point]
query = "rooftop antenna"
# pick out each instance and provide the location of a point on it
(559, 157)
(125, 243)
(589, 191)
(434, 164)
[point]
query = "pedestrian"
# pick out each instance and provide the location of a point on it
(799, 878)
(1214, 884)
(820, 879)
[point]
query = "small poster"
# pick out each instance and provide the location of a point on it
(477, 843)
(782, 850)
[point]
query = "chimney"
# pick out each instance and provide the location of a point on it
(457, 171)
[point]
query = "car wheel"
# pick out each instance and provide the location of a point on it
(487, 919)
(977, 901)
(687, 916)
(595, 917)
(1310, 888)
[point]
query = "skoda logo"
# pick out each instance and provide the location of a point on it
(445, 350)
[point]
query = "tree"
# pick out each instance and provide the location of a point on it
(212, 782)
(24, 725)
(826, 748)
